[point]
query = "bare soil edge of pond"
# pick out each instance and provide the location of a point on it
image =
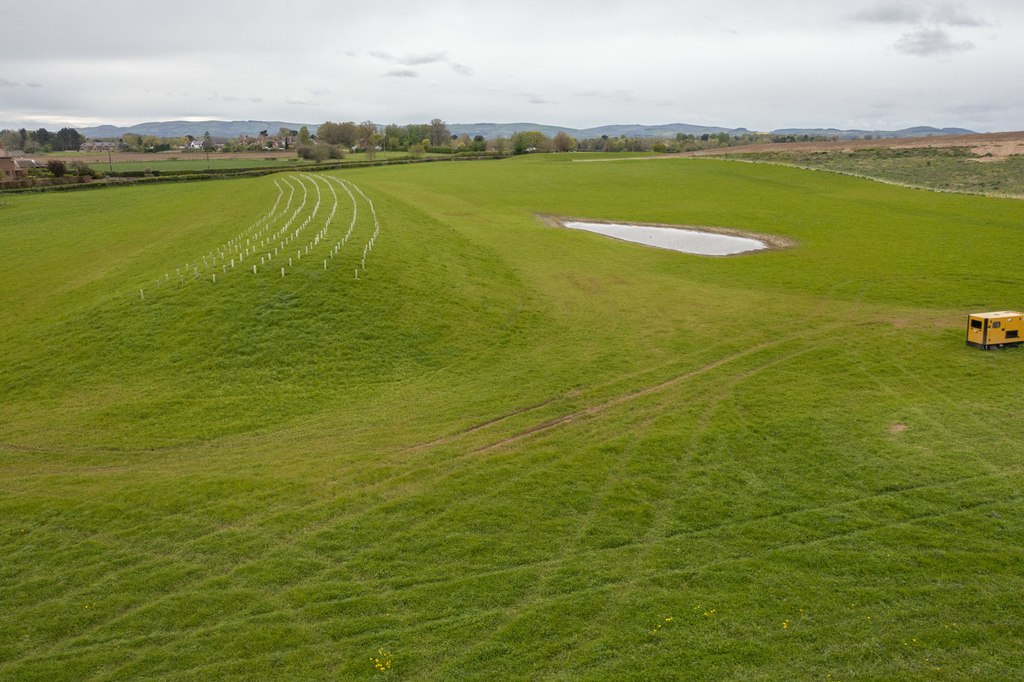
(772, 242)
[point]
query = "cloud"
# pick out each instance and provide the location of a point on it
(944, 14)
(426, 58)
(419, 59)
(4, 83)
(889, 13)
(300, 103)
(33, 84)
(925, 42)
(537, 99)
(256, 99)
(318, 92)
(411, 59)
(614, 95)
(955, 15)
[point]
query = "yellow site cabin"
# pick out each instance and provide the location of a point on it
(994, 330)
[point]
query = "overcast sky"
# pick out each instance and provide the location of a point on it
(753, 63)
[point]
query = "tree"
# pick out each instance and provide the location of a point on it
(68, 139)
(10, 139)
(368, 138)
(562, 142)
(392, 136)
(415, 132)
(56, 168)
(329, 132)
(207, 141)
(367, 129)
(304, 136)
(530, 141)
(439, 133)
(286, 135)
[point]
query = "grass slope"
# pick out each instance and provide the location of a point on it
(511, 451)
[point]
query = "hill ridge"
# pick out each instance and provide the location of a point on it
(228, 129)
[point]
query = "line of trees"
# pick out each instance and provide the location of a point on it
(42, 140)
(332, 140)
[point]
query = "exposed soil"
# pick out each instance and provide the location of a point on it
(1000, 145)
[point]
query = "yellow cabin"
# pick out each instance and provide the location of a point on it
(993, 330)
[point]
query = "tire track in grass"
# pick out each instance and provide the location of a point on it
(630, 396)
(643, 392)
(638, 546)
(660, 516)
(613, 587)
(632, 581)
(571, 548)
(202, 582)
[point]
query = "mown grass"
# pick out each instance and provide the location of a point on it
(950, 169)
(199, 162)
(512, 451)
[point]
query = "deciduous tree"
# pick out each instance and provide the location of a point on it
(439, 133)
(562, 142)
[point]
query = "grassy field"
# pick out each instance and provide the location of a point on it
(508, 450)
(199, 162)
(950, 169)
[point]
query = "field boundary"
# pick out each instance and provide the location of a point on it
(233, 173)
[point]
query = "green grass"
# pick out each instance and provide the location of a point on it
(950, 169)
(511, 451)
(199, 162)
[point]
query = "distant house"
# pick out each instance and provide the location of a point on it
(97, 146)
(8, 168)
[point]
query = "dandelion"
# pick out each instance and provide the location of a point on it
(382, 661)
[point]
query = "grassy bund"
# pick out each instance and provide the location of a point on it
(509, 450)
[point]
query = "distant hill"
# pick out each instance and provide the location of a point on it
(917, 131)
(225, 129)
(231, 129)
(493, 130)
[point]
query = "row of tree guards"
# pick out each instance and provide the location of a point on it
(272, 238)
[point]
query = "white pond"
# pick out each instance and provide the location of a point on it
(674, 238)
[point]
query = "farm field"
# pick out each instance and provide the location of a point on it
(451, 441)
(989, 164)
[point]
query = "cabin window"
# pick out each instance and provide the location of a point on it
(975, 324)
(996, 325)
